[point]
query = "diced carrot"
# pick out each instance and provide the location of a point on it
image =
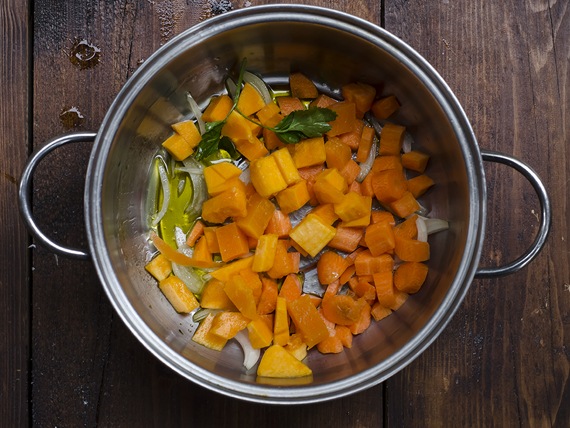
(289, 104)
(326, 213)
(291, 288)
(379, 312)
(338, 153)
(385, 107)
(250, 100)
(346, 118)
(307, 320)
(410, 250)
(330, 345)
(342, 309)
(381, 217)
(365, 144)
(346, 238)
(330, 267)
(367, 264)
(391, 139)
(382, 163)
(407, 229)
(389, 185)
(316, 300)
(269, 137)
(201, 252)
(268, 298)
(279, 224)
(363, 321)
(350, 171)
(232, 242)
(366, 185)
(309, 172)
(302, 87)
(347, 274)
(345, 336)
(361, 94)
(405, 206)
(355, 187)
(218, 109)
(332, 289)
(352, 139)
(197, 231)
(268, 320)
(352, 256)
(379, 238)
(401, 298)
(410, 276)
(179, 258)
(362, 289)
(367, 278)
(322, 101)
(385, 290)
(419, 185)
(415, 160)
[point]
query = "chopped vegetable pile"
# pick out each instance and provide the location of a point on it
(276, 185)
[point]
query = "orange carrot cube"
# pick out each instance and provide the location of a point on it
(352, 138)
(363, 321)
(410, 276)
(302, 87)
(419, 185)
(382, 163)
(405, 206)
(415, 160)
(289, 104)
(346, 118)
(350, 171)
(380, 238)
(346, 238)
(366, 264)
(307, 320)
(338, 153)
(279, 224)
(381, 217)
(268, 299)
(380, 312)
(365, 144)
(389, 185)
(385, 107)
(410, 250)
(391, 139)
(361, 94)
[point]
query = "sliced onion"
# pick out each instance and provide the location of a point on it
(258, 84)
(397, 262)
(197, 113)
(180, 238)
(407, 144)
(201, 314)
(250, 355)
(189, 277)
(423, 211)
(200, 191)
(190, 171)
(166, 193)
(181, 185)
(434, 225)
(245, 176)
(377, 124)
(366, 167)
(422, 229)
(231, 87)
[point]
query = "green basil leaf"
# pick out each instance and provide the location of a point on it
(210, 140)
(228, 145)
(291, 137)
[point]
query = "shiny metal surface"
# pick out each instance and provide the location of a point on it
(545, 221)
(333, 49)
(24, 194)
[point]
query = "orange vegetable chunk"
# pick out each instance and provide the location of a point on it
(289, 104)
(307, 320)
(189, 132)
(350, 171)
(380, 312)
(286, 166)
(250, 101)
(197, 231)
(382, 163)
(391, 139)
(355, 187)
(237, 127)
(385, 107)
(252, 280)
(302, 87)
(323, 101)
(278, 363)
(405, 206)
(410, 276)
(415, 160)
(330, 267)
(260, 335)
(385, 290)
(232, 241)
(231, 203)
(241, 296)
(380, 238)
(267, 112)
(365, 144)
(407, 229)
(361, 94)
(352, 139)
(346, 238)
(310, 152)
(218, 109)
(291, 288)
(326, 213)
(214, 296)
(293, 197)
(204, 337)
(338, 153)
(345, 336)
(217, 175)
(410, 250)
(347, 274)
(284, 263)
(268, 300)
(201, 252)
(296, 347)
(363, 321)
(266, 177)
(181, 299)
(366, 185)
(279, 224)
(226, 272)
(367, 264)
(211, 239)
(259, 213)
(342, 309)
(178, 147)
(265, 253)
(381, 217)
(227, 324)
(270, 138)
(362, 288)
(419, 185)
(252, 148)
(160, 267)
(346, 118)
(353, 207)
(389, 185)
(312, 234)
(281, 326)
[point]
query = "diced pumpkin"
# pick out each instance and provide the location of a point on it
(268, 300)
(365, 145)
(322, 101)
(286, 166)
(350, 171)
(268, 320)
(181, 299)
(218, 174)
(291, 288)
(353, 207)
(225, 273)
(312, 234)
(227, 324)
(359, 222)
(260, 335)
(204, 337)
(385, 107)
(289, 104)
(237, 127)
(391, 139)
(338, 153)
(214, 297)
(242, 297)
(284, 263)
(346, 118)
(265, 253)
(232, 241)
(419, 185)
(352, 138)
(293, 197)
(267, 112)
(279, 224)
(159, 267)
(302, 87)
(231, 203)
(250, 101)
(361, 94)
(252, 148)
(266, 177)
(201, 251)
(189, 132)
(296, 347)
(270, 138)
(259, 213)
(211, 239)
(299, 249)
(310, 152)
(252, 280)
(178, 147)
(326, 213)
(278, 363)
(281, 325)
(218, 109)
(307, 320)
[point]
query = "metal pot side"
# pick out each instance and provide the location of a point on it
(333, 49)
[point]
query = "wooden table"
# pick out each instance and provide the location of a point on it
(66, 358)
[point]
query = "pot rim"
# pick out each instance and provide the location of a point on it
(475, 179)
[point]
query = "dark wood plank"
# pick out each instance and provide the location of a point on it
(14, 271)
(87, 368)
(504, 358)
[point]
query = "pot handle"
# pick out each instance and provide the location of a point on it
(546, 215)
(24, 193)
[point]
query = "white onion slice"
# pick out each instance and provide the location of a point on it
(180, 238)
(250, 355)
(197, 113)
(258, 84)
(196, 171)
(423, 211)
(189, 277)
(201, 314)
(377, 124)
(422, 229)
(245, 176)
(200, 191)
(407, 144)
(165, 191)
(181, 185)
(434, 225)
(231, 87)
(365, 167)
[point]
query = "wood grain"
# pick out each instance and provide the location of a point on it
(14, 267)
(503, 360)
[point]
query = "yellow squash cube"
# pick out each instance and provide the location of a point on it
(227, 324)
(216, 175)
(225, 273)
(204, 337)
(178, 147)
(160, 267)
(297, 347)
(277, 362)
(260, 335)
(266, 177)
(241, 295)
(250, 101)
(237, 127)
(293, 197)
(286, 166)
(265, 253)
(312, 234)
(189, 132)
(281, 325)
(310, 152)
(353, 207)
(178, 294)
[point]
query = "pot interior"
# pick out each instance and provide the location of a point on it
(332, 55)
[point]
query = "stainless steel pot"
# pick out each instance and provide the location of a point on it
(332, 48)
